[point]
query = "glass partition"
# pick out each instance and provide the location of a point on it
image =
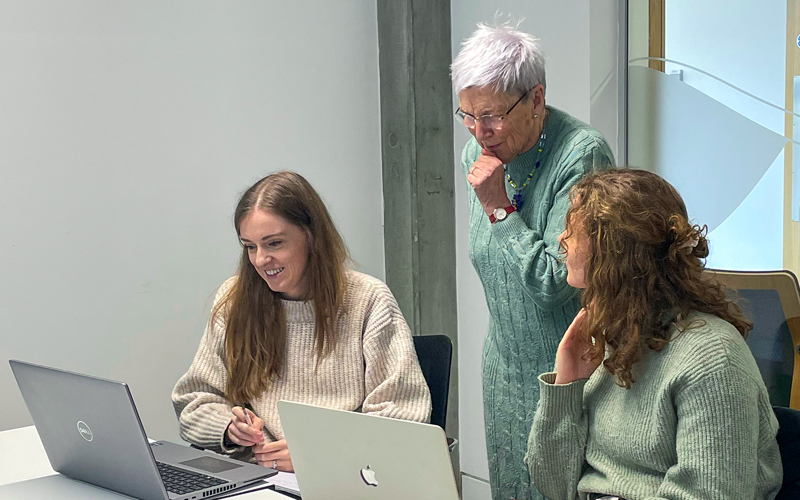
(711, 87)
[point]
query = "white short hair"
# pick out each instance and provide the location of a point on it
(500, 57)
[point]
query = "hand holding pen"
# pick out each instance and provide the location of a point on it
(245, 429)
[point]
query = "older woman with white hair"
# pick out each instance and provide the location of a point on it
(520, 165)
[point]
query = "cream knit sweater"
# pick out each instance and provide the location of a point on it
(374, 368)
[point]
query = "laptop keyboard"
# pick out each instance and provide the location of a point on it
(182, 481)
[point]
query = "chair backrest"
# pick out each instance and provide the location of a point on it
(771, 300)
(789, 444)
(435, 353)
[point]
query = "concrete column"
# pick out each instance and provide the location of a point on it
(418, 170)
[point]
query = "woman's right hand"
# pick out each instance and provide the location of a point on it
(488, 178)
(570, 365)
(242, 433)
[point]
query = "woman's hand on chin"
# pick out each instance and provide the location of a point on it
(488, 178)
(571, 364)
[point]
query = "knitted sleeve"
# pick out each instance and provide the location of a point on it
(198, 397)
(722, 451)
(556, 446)
(393, 380)
(533, 255)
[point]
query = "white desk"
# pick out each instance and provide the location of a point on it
(25, 473)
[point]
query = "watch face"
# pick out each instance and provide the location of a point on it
(500, 213)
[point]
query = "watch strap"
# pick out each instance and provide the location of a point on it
(509, 210)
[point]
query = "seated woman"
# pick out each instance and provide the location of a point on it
(678, 409)
(294, 324)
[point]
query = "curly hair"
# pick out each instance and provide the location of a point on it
(644, 273)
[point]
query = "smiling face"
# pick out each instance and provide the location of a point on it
(520, 130)
(575, 243)
(278, 251)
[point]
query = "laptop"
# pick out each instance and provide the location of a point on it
(342, 454)
(91, 432)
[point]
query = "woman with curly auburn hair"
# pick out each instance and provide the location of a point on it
(678, 409)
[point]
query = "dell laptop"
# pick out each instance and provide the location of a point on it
(91, 432)
(342, 454)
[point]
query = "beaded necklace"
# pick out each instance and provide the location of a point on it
(516, 200)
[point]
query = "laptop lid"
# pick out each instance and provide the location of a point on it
(91, 431)
(341, 454)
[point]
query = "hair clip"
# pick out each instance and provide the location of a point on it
(690, 244)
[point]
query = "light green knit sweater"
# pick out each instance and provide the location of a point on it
(697, 424)
(525, 283)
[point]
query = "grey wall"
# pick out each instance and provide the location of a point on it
(127, 132)
(580, 49)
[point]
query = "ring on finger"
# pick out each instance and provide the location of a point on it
(275, 464)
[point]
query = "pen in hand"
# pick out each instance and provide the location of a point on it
(249, 420)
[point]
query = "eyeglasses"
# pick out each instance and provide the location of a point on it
(494, 122)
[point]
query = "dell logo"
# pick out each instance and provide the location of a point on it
(85, 431)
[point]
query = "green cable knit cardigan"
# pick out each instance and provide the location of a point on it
(697, 424)
(525, 284)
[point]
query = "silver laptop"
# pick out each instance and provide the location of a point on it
(342, 454)
(91, 432)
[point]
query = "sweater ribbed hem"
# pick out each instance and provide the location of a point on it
(562, 400)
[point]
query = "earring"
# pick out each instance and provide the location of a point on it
(535, 116)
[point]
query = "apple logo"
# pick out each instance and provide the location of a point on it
(368, 475)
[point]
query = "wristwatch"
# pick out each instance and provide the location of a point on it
(501, 213)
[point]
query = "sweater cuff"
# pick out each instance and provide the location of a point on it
(226, 445)
(509, 229)
(208, 430)
(557, 400)
(229, 447)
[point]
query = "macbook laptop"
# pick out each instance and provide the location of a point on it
(342, 454)
(91, 432)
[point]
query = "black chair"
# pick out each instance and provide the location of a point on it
(435, 353)
(789, 444)
(771, 300)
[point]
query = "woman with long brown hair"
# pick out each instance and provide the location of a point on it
(678, 409)
(295, 324)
